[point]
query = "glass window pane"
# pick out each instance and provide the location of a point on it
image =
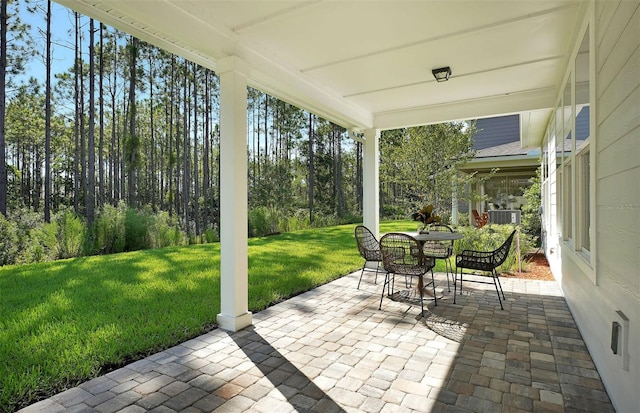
(583, 131)
(585, 201)
(567, 206)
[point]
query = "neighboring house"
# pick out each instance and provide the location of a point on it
(498, 147)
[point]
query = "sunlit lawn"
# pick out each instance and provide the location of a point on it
(64, 322)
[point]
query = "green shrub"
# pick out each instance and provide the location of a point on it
(109, 234)
(211, 236)
(350, 218)
(321, 220)
(531, 220)
(71, 233)
(393, 212)
(136, 224)
(164, 230)
(257, 222)
(8, 241)
(263, 221)
(463, 219)
(42, 244)
(489, 238)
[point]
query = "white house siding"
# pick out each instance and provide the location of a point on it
(616, 142)
(552, 222)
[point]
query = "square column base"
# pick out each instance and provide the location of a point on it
(234, 323)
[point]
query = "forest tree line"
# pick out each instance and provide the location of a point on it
(128, 123)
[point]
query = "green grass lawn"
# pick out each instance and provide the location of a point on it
(66, 321)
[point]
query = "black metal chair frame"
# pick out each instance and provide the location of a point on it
(402, 254)
(369, 249)
(442, 250)
(486, 261)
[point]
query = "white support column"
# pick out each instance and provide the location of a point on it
(371, 181)
(234, 263)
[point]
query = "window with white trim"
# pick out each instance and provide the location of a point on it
(584, 197)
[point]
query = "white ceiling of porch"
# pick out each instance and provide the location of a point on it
(368, 64)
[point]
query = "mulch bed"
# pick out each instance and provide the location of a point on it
(537, 269)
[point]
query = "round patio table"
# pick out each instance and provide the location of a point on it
(435, 236)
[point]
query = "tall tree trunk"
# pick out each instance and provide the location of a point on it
(83, 145)
(24, 181)
(133, 139)
(186, 190)
(76, 158)
(90, 200)
(266, 129)
(101, 121)
(257, 109)
(152, 136)
(205, 154)
(196, 193)
(164, 155)
(172, 160)
(47, 121)
(338, 173)
(178, 136)
(36, 189)
(256, 148)
(3, 86)
(311, 168)
(113, 150)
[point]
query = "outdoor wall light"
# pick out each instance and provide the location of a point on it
(442, 74)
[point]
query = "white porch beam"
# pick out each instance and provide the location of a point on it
(487, 106)
(234, 263)
(371, 180)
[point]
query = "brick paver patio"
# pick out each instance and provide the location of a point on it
(332, 350)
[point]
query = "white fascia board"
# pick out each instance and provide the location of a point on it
(125, 18)
(470, 109)
(295, 89)
(502, 162)
(533, 126)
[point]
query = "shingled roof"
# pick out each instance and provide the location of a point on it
(507, 149)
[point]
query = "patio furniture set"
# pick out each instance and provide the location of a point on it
(413, 255)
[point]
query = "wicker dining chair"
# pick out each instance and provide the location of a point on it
(402, 254)
(442, 250)
(369, 249)
(484, 261)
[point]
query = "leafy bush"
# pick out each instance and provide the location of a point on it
(393, 212)
(211, 235)
(257, 222)
(136, 224)
(491, 237)
(463, 219)
(263, 221)
(109, 234)
(42, 244)
(8, 241)
(350, 218)
(164, 230)
(299, 220)
(531, 221)
(71, 232)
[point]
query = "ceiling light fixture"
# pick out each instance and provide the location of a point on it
(442, 74)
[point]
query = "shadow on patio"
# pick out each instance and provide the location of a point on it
(332, 350)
